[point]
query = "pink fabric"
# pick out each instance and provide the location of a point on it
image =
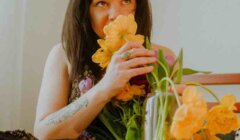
(85, 85)
(170, 60)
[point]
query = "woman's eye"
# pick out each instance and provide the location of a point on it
(101, 3)
(126, 1)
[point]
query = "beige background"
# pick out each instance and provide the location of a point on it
(30, 28)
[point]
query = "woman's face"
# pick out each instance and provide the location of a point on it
(104, 11)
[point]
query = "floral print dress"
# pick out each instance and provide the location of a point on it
(81, 85)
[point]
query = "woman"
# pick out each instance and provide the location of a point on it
(67, 106)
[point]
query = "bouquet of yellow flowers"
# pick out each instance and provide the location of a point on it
(123, 117)
(164, 115)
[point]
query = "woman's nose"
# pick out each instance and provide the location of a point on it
(114, 11)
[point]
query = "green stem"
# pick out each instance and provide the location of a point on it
(159, 120)
(204, 87)
(155, 77)
(174, 89)
(165, 69)
(164, 114)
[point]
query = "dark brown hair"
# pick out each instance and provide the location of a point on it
(80, 41)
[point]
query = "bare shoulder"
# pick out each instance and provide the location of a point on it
(58, 56)
(58, 53)
(167, 51)
(55, 83)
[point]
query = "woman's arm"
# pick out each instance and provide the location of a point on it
(55, 119)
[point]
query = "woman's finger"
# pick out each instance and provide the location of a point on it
(139, 61)
(128, 46)
(137, 52)
(139, 71)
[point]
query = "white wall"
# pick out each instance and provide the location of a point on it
(11, 24)
(43, 24)
(207, 30)
(29, 29)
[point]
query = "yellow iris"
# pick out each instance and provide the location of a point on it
(189, 117)
(117, 33)
(221, 119)
(129, 92)
(103, 55)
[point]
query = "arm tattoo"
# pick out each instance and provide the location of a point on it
(67, 112)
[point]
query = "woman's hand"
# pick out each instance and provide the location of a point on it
(129, 61)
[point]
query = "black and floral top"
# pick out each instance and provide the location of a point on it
(80, 86)
(86, 81)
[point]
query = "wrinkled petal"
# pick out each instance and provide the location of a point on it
(189, 117)
(222, 120)
(121, 26)
(191, 95)
(102, 57)
(181, 113)
(129, 91)
(187, 121)
(114, 43)
(137, 90)
(135, 38)
(229, 100)
(102, 44)
(205, 135)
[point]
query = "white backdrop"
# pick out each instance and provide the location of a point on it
(207, 30)
(29, 29)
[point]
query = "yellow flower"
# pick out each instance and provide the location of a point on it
(103, 55)
(221, 119)
(117, 33)
(129, 92)
(120, 31)
(189, 117)
(229, 101)
(204, 135)
(121, 26)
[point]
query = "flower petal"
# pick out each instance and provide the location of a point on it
(221, 120)
(229, 100)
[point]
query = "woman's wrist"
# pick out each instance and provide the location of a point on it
(104, 92)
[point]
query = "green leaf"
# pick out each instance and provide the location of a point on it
(151, 80)
(188, 71)
(100, 133)
(109, 119)
(148, 44)
(133, 129)
(136, 108)
(150, 77)
(162, 59)
(180, 69)
(156, 70)
(175, 64)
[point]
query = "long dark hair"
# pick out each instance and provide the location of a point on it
(80, 41)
